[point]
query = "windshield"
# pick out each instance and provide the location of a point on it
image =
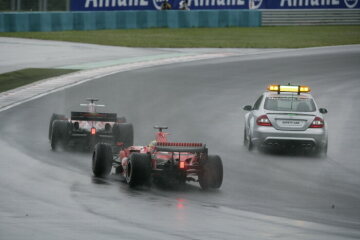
(290, 103)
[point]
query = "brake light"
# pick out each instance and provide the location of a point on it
(263, 120)
(182, 165)
(317, 123)
(93, 131)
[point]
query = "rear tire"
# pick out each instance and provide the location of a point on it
(124, 132)
(59, 134)
(212, 173)
(102, 160)
(247, 142)
(250, 146)
(52, 119)
(321, 151)
(138, 170)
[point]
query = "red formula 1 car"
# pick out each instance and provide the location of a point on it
(173, 162)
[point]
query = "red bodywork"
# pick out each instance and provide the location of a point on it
(179, 157)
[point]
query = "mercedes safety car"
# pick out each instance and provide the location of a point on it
(83, 130)
(286, 116)
(162, 161)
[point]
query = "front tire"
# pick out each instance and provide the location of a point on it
(211, 176)
(102, 160)
(138, 171)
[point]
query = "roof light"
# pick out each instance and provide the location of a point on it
(274, 88)
(288, 88)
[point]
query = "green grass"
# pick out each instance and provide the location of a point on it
(19, 78)
(262, 37)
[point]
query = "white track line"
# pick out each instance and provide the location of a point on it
(42, 88)
(15, 97)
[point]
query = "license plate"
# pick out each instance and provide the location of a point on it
(290, 123)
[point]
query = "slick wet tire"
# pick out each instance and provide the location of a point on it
(124, 132)
(211, 175)
(138, 171)
(54, 117)
(102, 160)
(59, 134)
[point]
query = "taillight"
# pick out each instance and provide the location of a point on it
(263, 120)
(93, 131)
(317, 123)
(182, 165)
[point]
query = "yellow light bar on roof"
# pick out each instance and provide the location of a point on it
(288, 88)
(305, 89)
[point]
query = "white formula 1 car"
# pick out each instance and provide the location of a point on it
(84, 129)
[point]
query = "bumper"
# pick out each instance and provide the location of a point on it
(269, 136)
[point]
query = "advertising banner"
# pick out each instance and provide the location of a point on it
(104, 5)
(304, 4)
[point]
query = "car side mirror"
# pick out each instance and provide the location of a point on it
(323, 110)
(247, 108)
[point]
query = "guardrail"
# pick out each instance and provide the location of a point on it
(63, 21)
(310, 17)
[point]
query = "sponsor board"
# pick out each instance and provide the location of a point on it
(304, 4)
(104, 5)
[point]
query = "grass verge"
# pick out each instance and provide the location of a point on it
(22, 77)
(262, 37)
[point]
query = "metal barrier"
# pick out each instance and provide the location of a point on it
(63, 21)
(310, 17)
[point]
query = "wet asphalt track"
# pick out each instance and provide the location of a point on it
(52, 195)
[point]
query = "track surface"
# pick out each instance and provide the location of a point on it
(53, 195)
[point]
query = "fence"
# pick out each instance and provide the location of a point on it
(311, 17)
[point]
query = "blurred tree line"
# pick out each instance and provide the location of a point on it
(34, 5)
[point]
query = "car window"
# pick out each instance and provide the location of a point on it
(257, 103)
(292, 103)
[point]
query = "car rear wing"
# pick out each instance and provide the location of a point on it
(180, 147)
(87, 116)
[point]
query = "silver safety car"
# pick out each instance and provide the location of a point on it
(286, 116)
